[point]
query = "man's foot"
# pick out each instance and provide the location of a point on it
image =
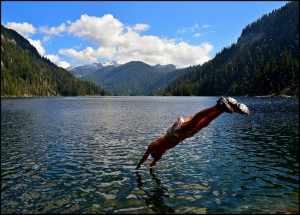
(238, 107)
(224, 105)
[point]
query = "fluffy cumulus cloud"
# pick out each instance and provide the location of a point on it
(124, 43)
(152, 50)
(25, 29)
(38, 45)
(119, 42)
(52, 31)
(53, 58)
(86, 55)
(64, 64)
(141, 27)
(89, 55)
(106, 31)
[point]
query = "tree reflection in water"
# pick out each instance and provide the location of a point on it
(154, 197)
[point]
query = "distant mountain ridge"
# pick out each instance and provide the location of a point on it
(84, 70)
(165, 68)
(132, 78)
(87, 69)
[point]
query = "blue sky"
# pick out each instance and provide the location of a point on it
(182, 33)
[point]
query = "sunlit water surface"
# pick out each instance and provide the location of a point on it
(78, 155)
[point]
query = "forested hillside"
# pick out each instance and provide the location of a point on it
(264, 61)
(25, 73)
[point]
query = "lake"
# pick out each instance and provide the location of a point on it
(78, 155)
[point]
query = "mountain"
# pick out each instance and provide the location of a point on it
(264, 61)
(165, 68)
(25, 73)
(87, 69)
(134, 78)
(84, 70)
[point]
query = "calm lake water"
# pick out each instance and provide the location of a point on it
(78, 155)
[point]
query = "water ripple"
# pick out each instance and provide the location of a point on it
(78, 155)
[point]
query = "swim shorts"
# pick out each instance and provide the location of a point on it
(175, 127)
(179, 135)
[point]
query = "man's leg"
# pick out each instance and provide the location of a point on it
(204, 113)
(221, 106)
(201, 115)
(235, 107)
(206, 120)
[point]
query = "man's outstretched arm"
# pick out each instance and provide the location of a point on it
(148, 151)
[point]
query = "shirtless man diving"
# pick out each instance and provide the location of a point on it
(185, 128)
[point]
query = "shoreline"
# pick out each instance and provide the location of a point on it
(263, 96)
(276, 95)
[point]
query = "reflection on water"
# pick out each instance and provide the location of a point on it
(78, 155)
(154, 197)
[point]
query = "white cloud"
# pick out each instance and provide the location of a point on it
(53, 58)
(105, 30)
(141, 27)
(38, 45)
(123, 43)
(87, 55)
(154, 50)
(46, 38)
(53, 30)
(197, 35)
(25, 29)
(119, 42)
(64, 64)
